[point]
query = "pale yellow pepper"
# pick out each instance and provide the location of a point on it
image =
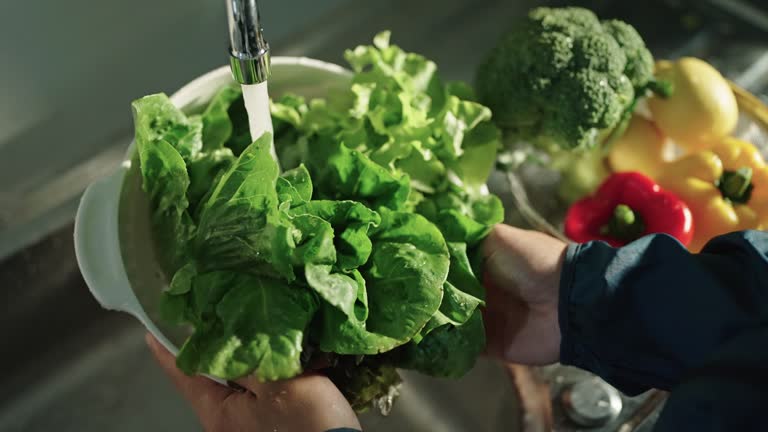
(702, 108)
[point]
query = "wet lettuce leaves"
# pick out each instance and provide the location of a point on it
(257, 326)
(164, 136)
(448, 351)
(355, 246)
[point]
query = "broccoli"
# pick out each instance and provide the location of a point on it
(563, 79)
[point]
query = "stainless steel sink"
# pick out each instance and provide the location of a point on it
(70, 366)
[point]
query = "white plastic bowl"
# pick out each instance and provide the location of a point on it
(112, 236)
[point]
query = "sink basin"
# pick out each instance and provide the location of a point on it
(75, 367)
(90, 370)
(103, 364)
(71, 366)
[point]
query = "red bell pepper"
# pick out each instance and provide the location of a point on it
(626, 207)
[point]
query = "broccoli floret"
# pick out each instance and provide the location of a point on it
(639, 68)
(564, 79)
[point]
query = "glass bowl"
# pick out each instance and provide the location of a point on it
(530, 191)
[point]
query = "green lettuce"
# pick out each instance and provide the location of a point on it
(461, 215)
(448, 345)
(448, 351)
(157, 119)
(403, 282)
(257, 326)
(354, 249)
(164, 136)
(225, 122)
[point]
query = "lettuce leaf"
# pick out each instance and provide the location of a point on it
(225, 122)
(203, 170)
(164, 173)
(448, 351)
(351, 222)
(257, 326)
(343, 173)
(453, 338)
(403, 282)
(217, 125)
(240, 225)
(295, 187)
(462, 216)
(408, 267)
(157, 119)
(462, 293)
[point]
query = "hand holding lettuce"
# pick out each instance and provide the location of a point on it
(356, 254)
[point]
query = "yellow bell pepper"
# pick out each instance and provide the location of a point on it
(726, 188)
(640, 149)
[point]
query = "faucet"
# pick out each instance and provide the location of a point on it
(249, 52)
(250, 63)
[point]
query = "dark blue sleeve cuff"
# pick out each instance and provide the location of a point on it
(567, 354)
(647, 314)
(584, 297)
(607, 326)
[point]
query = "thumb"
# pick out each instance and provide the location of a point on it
(203, 394)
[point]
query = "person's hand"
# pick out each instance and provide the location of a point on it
(305, 403)
(522, 276)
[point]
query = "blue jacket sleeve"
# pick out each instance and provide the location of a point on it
(653, 315)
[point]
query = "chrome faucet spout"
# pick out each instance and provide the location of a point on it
(249, 51)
